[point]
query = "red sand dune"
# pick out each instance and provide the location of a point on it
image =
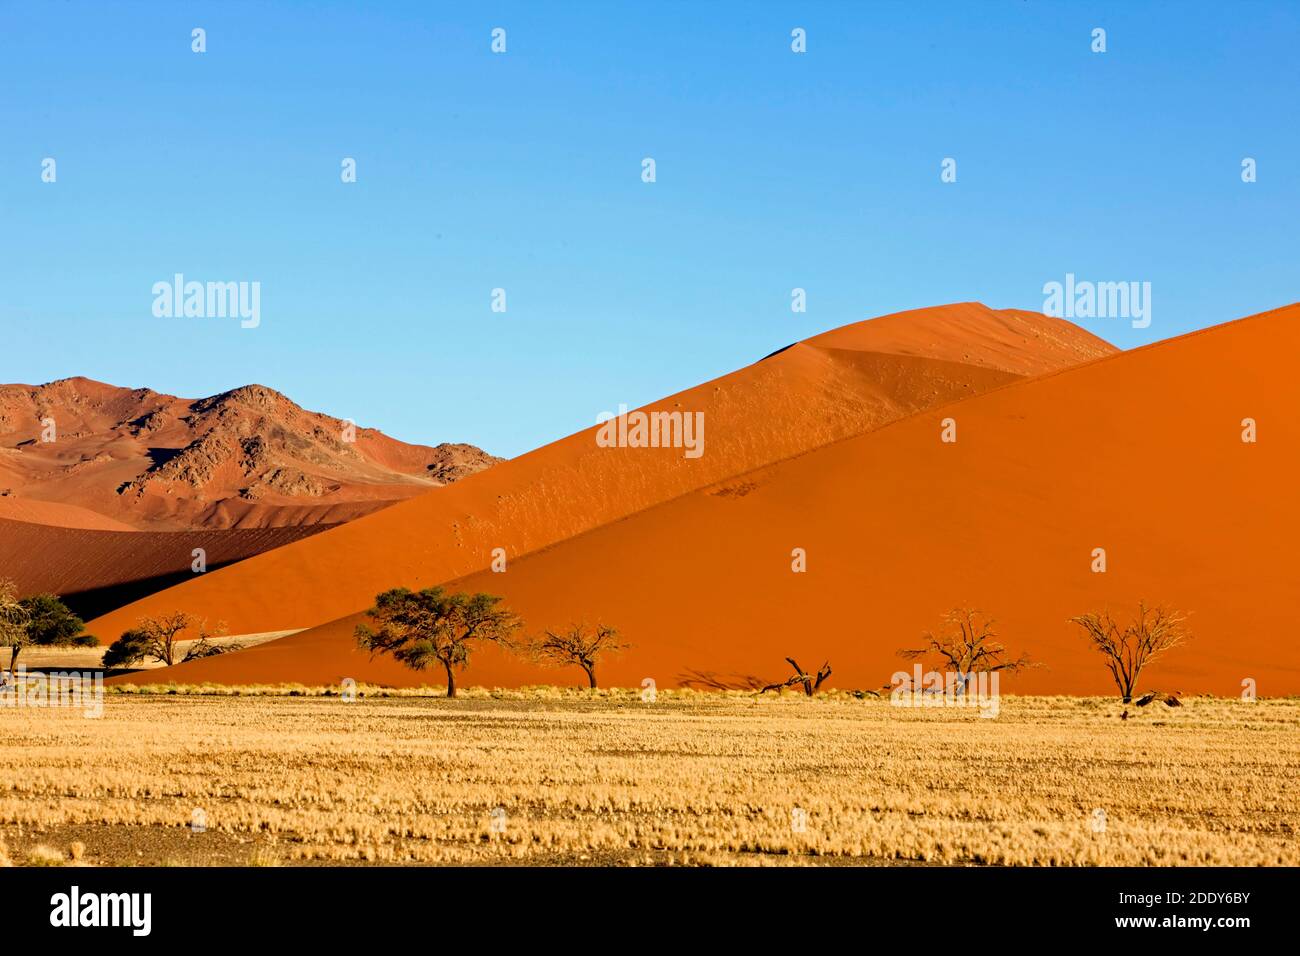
(98, 570)
(827, 389)
(1140, 453)
(246, 458)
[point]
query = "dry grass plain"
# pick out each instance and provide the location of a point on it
(690, 778)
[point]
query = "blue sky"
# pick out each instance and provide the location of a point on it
(522, 171)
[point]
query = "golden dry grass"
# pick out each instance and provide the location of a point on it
(689, 778)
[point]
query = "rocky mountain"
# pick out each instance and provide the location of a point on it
(245, 458)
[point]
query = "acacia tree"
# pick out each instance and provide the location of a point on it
(157, 637)
(13, 620)
(968, 646)
(41, 620)
(51, 623)
(1127, 650)
(579, 645)
(421, 628)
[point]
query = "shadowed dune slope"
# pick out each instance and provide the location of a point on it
(97, 571)
(802, 397)
(1140, 453)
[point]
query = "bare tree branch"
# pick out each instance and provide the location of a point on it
(580, 645)
(801, 677)
(968, 646)
(1127, 650)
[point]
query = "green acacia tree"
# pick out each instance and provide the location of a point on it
(42, 620)
(431, 626)
(51, 623)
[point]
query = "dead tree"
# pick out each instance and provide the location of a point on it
(811, 684)
(1127, 650)
(206, 645)
(968, 647)
(156, 637)
(579, 645)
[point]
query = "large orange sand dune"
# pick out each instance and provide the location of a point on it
(1139, 453)
(827, 389)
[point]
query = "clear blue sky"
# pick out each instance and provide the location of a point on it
(522, 171)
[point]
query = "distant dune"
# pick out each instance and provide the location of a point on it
(794, 411)
(246, 458)
(56, 515)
